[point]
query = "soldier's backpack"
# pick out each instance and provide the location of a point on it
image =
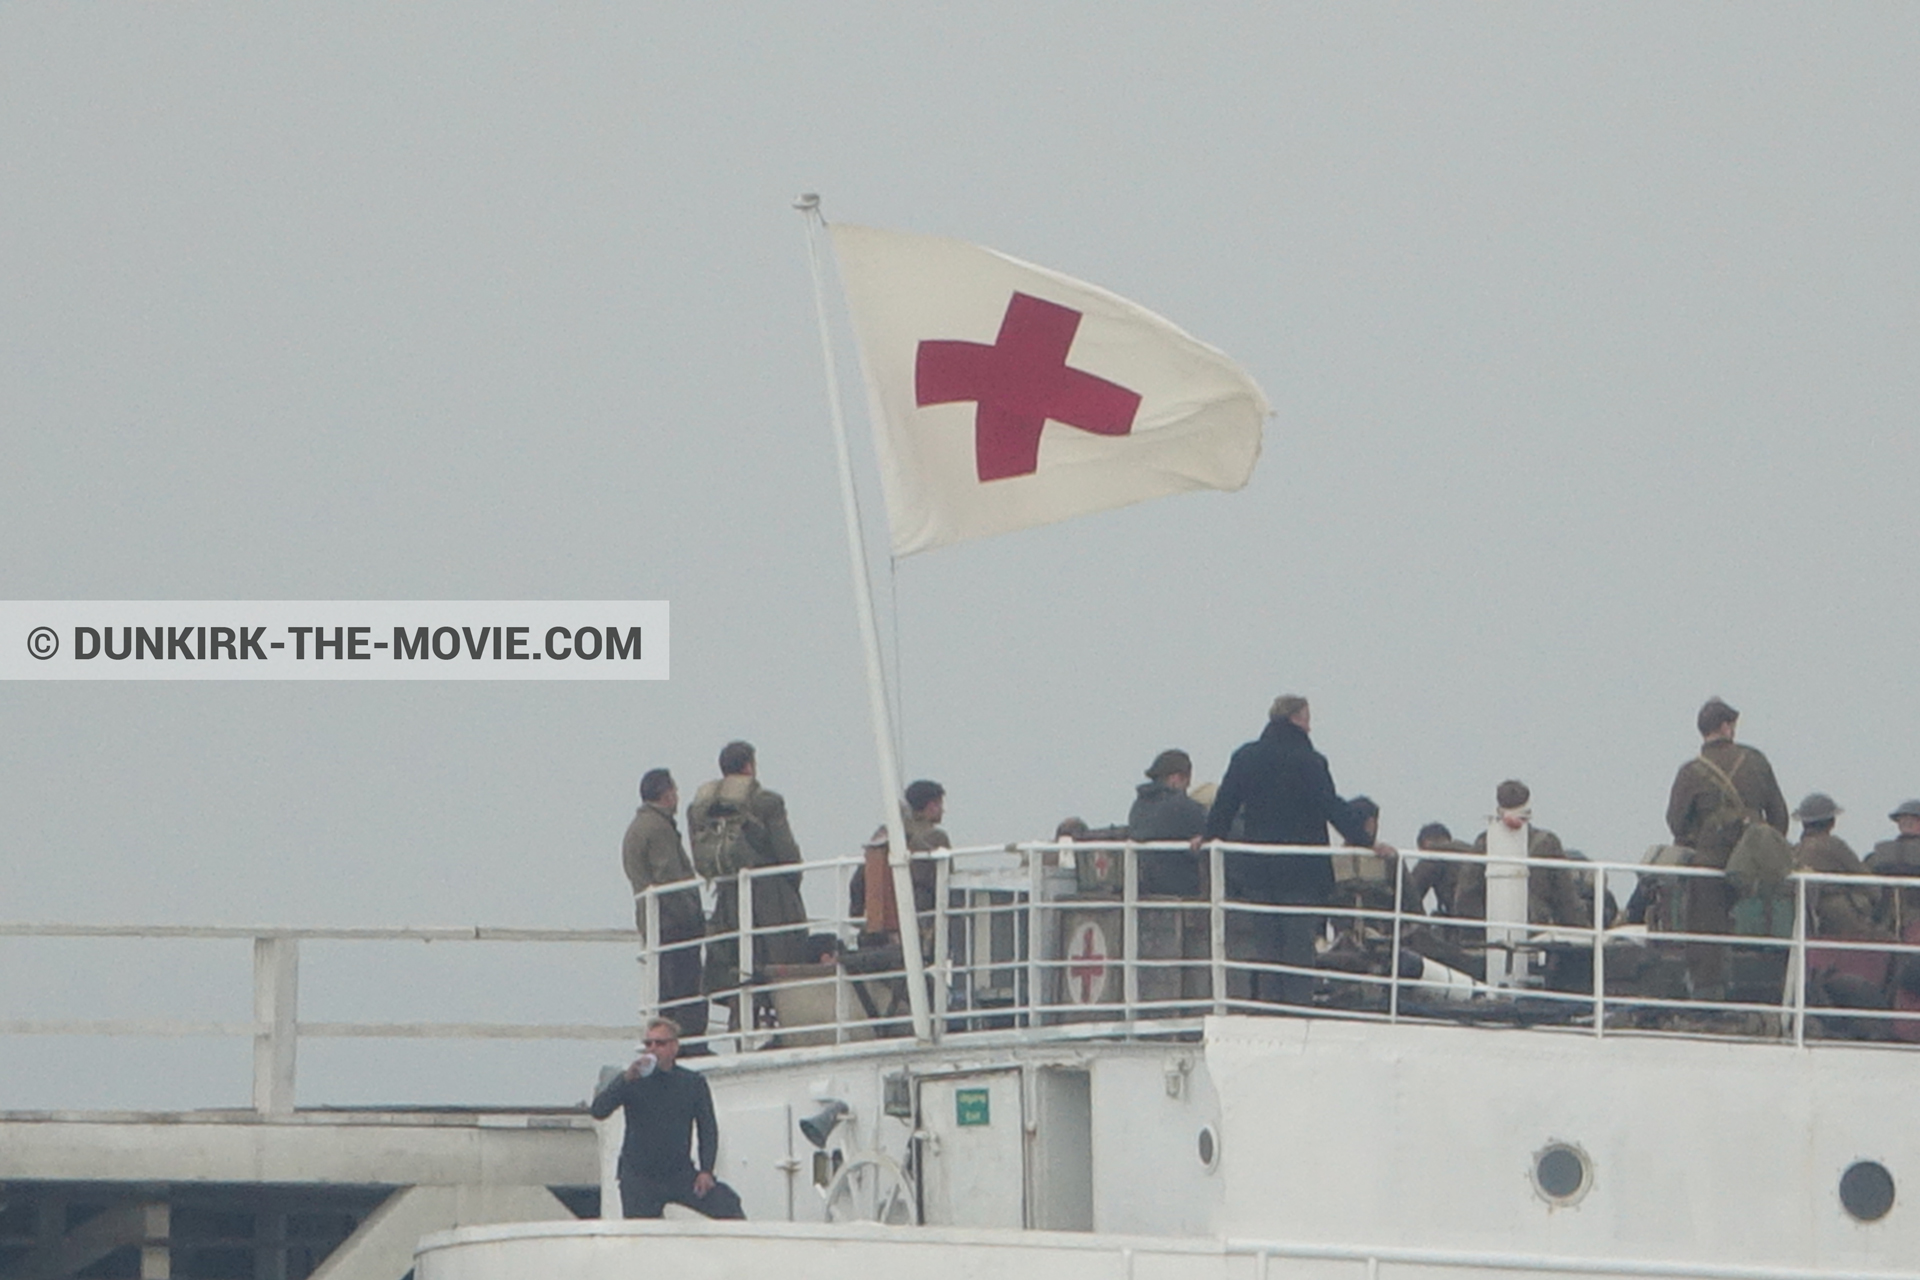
(1761, 858)
(721, 847)
(1760, 862)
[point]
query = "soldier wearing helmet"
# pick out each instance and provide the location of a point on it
(1833, 910)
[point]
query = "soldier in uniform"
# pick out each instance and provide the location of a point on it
(1903, 851)
(1552, 895)
(1848, 979)
(776, 898)
(1459, 890)
(653, 855)
(1361, 881)
(1714, 796)
(1900, 856)
(925, 805)
(1455, 893)
(1833, 910)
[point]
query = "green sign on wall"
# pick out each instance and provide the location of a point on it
(970, 1107)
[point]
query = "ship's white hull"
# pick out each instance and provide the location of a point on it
(792, 1251)
(1323, 1147)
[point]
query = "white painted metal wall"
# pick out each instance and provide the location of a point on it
(1149, 1109)
(1080, 1136)
(1701, 1152)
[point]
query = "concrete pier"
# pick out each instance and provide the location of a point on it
(239, 1195)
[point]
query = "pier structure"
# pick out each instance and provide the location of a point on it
(276, 1190)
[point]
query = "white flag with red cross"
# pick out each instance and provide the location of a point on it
(1005, 395)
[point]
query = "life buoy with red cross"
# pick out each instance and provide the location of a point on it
(1087, 962)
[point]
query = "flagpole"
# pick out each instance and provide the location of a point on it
(890, 786)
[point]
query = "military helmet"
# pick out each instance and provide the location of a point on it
(1817, 807)
(1907, 809)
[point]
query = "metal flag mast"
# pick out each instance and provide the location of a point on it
(890, 786)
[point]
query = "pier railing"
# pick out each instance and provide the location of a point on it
(276, 1027)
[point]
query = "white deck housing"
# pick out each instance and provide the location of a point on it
(1102, 1094)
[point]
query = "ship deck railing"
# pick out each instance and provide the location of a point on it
(1006, 948)
(1002, 963)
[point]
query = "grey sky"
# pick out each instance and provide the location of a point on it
(1590, 332)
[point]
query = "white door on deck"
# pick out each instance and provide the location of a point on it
(973, 1158)
(756, 1159)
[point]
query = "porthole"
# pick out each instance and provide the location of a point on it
(1866, 1191)
(1207, 1145)
(1561, 1173)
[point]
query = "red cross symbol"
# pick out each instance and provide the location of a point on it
(1089, 970)
(1018, 383)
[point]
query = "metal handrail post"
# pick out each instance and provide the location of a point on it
(1393, 982)
(651, 960)
(1599, 953)
(1797, 965)
(940, 963)
(842, 1008)
(1130, 929)
(276, 1022)
(1036, 974)
(966, 979)
(1217, 923)
(743, 1013)
(847, 928)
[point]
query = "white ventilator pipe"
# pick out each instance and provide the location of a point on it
(1506, 900)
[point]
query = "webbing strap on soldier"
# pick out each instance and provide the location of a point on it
(1725, 779)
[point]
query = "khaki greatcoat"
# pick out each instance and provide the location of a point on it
(1552, 895)
(1899, 856)
(776, 898)
(1834, 910)
(653, 854)
(1702, 817)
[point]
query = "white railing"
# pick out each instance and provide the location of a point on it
(276, 1028)
(1000, 959)
(999, 963)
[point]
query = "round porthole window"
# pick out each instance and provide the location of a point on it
(1207, 1146)
(1561, 1172)
(1866, 1190)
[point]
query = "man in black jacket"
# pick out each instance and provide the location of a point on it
(1284, 792)
(664, 1104)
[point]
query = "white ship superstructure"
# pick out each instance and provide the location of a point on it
(1100, 1094)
